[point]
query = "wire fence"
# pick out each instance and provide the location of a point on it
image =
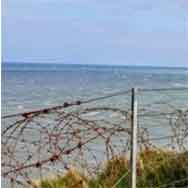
(83, 134)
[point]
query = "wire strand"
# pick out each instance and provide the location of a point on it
(79, 102)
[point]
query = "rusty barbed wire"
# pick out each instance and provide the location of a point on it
(46, 140)
(79, 102)
(49, 141)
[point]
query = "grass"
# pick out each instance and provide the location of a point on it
(155, 168)
(160, 167)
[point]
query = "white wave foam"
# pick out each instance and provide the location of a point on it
(180, 85)
(20, 107)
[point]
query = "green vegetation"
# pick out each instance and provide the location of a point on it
(156, 168)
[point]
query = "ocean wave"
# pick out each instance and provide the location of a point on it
(20, 107)
(92, 113)
(180, 84)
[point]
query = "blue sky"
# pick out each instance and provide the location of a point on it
(130, 32)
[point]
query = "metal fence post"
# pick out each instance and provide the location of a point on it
(134, 111)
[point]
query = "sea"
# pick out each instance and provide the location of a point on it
(28, 86)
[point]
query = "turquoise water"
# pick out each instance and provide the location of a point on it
(30, 86)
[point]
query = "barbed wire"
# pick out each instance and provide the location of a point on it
(52, 139)
(66, 105)
(79, 102)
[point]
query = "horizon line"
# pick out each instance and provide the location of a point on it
(93, 64)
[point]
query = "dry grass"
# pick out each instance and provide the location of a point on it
(156, 168)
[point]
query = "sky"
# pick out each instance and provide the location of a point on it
(125, 32)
